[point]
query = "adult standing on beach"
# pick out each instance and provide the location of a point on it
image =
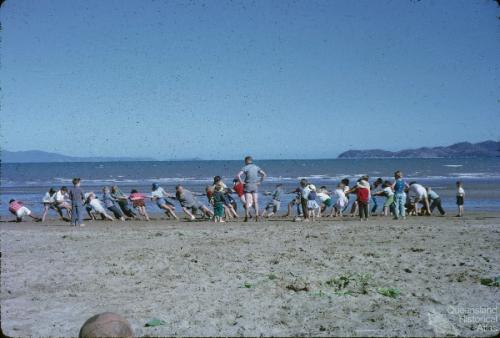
(253, 178)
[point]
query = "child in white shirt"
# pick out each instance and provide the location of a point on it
(341, 202)
(325, 199)
(460, 198)
(98, 207)
(389, 198)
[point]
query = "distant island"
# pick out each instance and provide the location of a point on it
(37, 156)
(462, 149)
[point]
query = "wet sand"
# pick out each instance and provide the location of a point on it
(419, 277)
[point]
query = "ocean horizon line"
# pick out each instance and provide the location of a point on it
(256, 159)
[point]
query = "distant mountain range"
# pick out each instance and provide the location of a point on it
(462, 149)
(43, 156)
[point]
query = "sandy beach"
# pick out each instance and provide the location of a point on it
(334, 277)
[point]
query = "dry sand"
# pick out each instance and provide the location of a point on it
(251, 279)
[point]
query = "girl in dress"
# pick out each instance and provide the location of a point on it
(341, 202)
(312, 206)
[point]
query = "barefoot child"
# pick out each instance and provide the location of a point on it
(159, 195)
(363, 197)
(228, 204)
(229, 199)
(399, 187)
(190, 205)
(274, 205)
(341, 202)
(60, 202)
(374, 189)
(312, 206)
(112, 204)
(98, 208)
(122, 200)
(87, 205)
(137, 200)
(389, 198)
(218, 203)
(325, 199)
(229, 209)
(435, 201)
(304, 190)
(300, 200)
(345, 184)
(295, 202)
(239, 189)
(460, 198)
(77, 198)
(48, 203)
(18, 209)
(348, 191)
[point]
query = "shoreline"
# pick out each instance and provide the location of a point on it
(160, 217)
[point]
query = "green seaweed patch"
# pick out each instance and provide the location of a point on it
(490, 281)
(389, 292)
(349, 284)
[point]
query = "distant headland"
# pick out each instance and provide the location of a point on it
(462, 149)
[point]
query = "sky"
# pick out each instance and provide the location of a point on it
(223, 79)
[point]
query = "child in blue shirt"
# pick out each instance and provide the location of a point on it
(399, 187)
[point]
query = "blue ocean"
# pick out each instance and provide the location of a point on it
(29, 181)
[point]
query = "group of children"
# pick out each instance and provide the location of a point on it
(401, 198)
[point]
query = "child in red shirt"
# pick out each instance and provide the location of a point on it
(138, 202)
(239, 189)
(363, 196)
(18, 209)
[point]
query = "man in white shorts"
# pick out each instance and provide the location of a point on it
(18, 209)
